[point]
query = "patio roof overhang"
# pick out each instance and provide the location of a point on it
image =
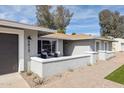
(76, 37)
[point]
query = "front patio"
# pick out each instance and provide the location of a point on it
(86, 77)
(90, 76)
(56, 55)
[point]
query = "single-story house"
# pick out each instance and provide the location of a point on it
(69, 45)
(118, 45)
(24, 48)
(19, 48)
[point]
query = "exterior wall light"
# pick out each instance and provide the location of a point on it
(29, 43)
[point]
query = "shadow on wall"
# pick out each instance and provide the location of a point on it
(67, 48)
(77, 47)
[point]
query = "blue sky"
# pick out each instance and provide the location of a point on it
(85, 18)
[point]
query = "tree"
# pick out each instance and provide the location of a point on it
(62, 17)
(106, 21)
(111, 23)
(57, 19)
(73, 33)
(44, 16)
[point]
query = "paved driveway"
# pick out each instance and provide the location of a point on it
(90, 76)
(13, 80)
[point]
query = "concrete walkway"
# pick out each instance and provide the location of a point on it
(90, 76)
(13, 80)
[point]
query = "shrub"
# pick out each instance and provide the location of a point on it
(70, 70)
(29, 73)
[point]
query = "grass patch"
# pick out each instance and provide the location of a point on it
(117, 75)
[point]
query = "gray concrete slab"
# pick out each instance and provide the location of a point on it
(13, 80)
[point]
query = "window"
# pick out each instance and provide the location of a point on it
(122, 46)
(97, 46)
(53, 46)
(105, 46)
(48, 46)
(39, 46)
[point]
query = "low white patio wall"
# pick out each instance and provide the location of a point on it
(52, 66)
(93, 56)
(110, 54)
(105, 55)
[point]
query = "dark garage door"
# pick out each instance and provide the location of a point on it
(8, 53)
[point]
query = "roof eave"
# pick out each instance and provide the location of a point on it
(104, 39)
(11, 24)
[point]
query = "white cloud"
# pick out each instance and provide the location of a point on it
(82, 13)
(24, 21)
(7, 16)
(96, 34)
(23, 14)
(17, 8)
(85, 14)
(84, 26)
(112, 7)
(2, 15)
(72, 8)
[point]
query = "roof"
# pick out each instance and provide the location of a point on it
(105, 39)
(13, 24)
(67, 36)
(74, 37)
(121, 40)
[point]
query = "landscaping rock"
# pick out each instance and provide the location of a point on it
(38, 81)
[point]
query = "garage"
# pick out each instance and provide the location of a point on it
(8, 53)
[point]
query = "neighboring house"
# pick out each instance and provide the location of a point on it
(69, 45)
(119, 45)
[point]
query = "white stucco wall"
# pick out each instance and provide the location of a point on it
(105, 55)
(117, 45)
(102, 45)
(102, 53)
(63, 65)
(53, 66)
(78, 47)
(20, 34)
(33, 46)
